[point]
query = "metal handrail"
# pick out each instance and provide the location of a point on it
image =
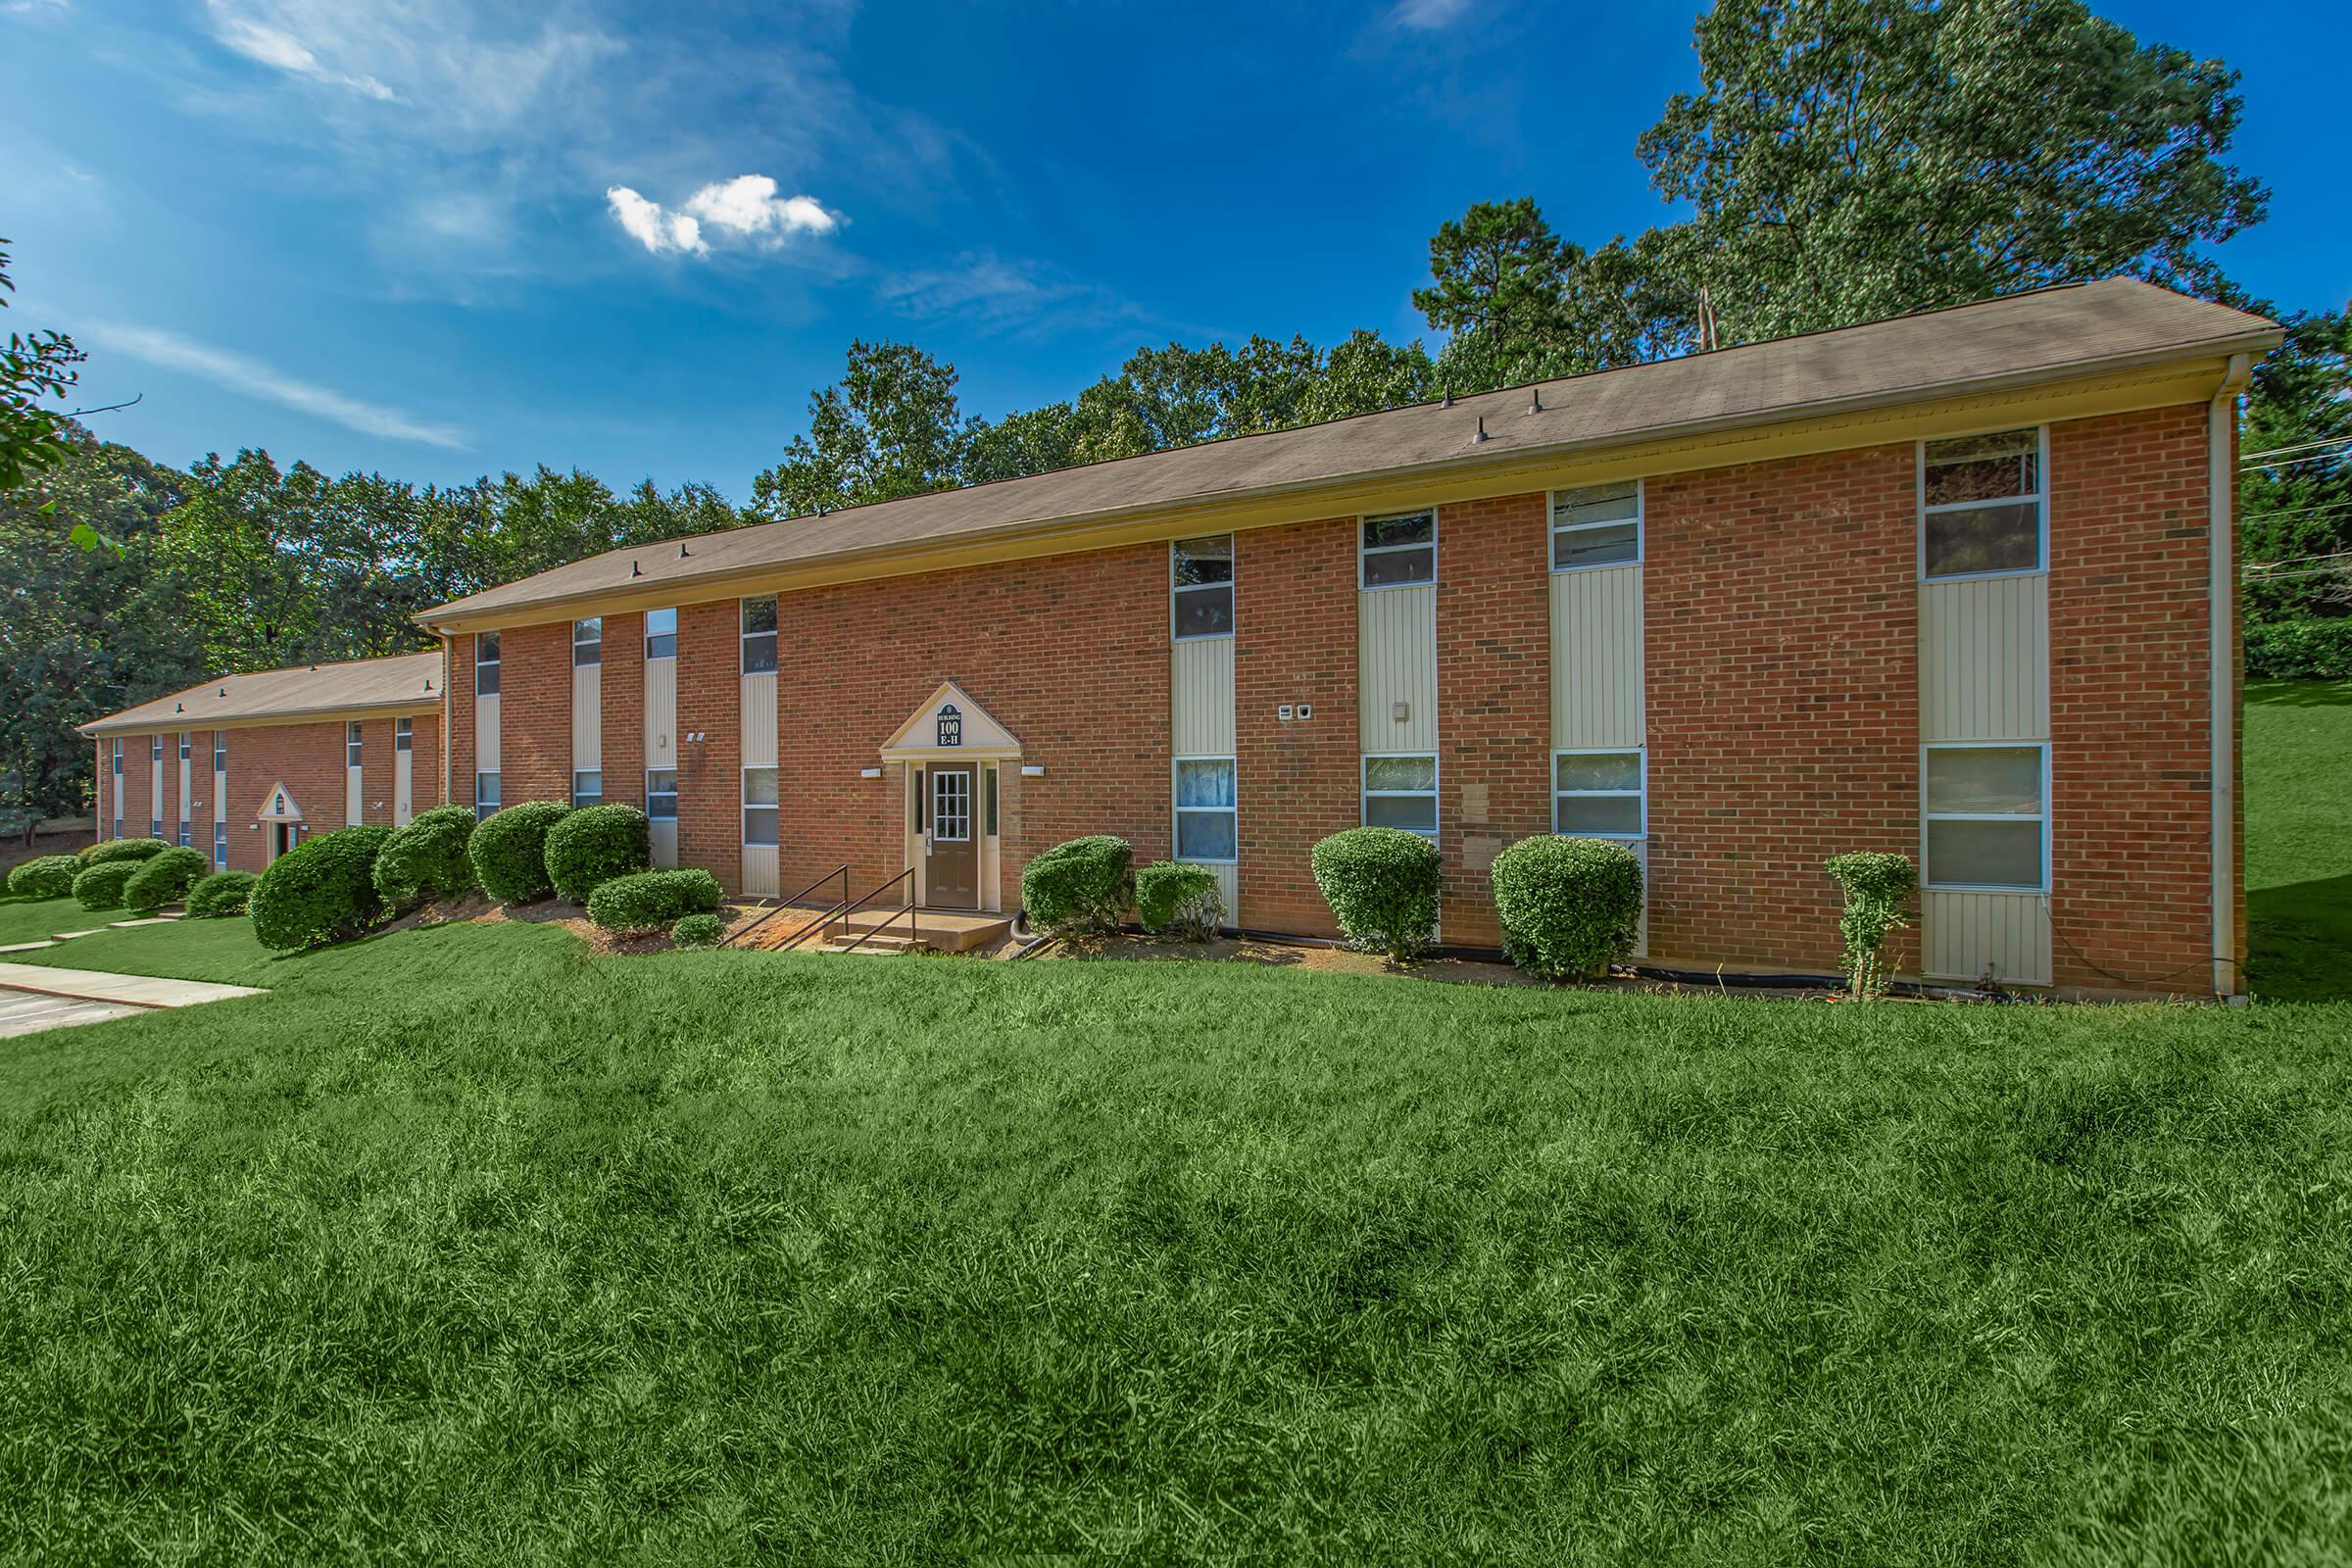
(915, 933)
(841, 871)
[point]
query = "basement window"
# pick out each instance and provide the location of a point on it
(485, 795)
(1400, 552)
(1402, 791)
(660, 634)
(1597, 795)
(1597, 525)
(1207, 827)
(588, 642)
(587, 788)
(1987, 817)
(759, 635)
(759, 808)
(662, 795)
(1201, 587)
(1980, 504)
(485, 664)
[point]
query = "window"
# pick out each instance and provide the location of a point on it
(951, 805)
(1401, 791)
(918, 799)
(1205, 809)
(184, 745)
(1597, 525)
(155, 827)
(117, 758)
(485, 795)
(991, 799)
(1980, 504)
(1987, 816)
(350, 744)
(1597, 795)
(1201, 587)
(185, 839)
(155, 748)
(403, 734)
(760, 806)
(220, 750)
(219, 845)
(587, 788)
(660, 634)
(588, 641)
(759, 635)
(1400, 551)
(661, 794)
(485, 664)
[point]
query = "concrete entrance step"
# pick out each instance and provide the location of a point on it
(942, 930)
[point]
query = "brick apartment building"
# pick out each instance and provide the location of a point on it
(1957, 585)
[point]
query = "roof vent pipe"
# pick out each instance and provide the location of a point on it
(1482, 430)
(635, 571)
(681, 549)
(1446, 401)
(1535, 400)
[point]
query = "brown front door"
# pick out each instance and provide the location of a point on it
(950, 847)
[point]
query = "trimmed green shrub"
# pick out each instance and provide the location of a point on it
(164, 878)
(1878, 890)
(594, 845)
(1567, 905)
(1382, 885)
(697, 931)
(50, 877)
(320, 890)
(1183, 899)
(650, 900)
(223, 893)
(509, 851)
(2310, 649)
(109, 851)
(100, 887)
(1080, 886)
(426, 859)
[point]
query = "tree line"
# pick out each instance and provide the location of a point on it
(1842, 161)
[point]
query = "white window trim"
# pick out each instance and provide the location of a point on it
(1363, 550)
(671, 634)
(1176, 811)
(2041, 497)
(403, 735)
(746, 806)
(2048, 813)
(579, 642)
(579, 773)
(743, 639)
(1434, 792)
(187, 751)
(220, 846)
(480, 663)
(1231, 601)
(220, 750)
(671, 792)
(479, 812)
(354, 744)
(1639, 520)
(1640, 755)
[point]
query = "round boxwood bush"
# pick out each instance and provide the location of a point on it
(1079, 886)
(1382, 885)
(427, 859)
(650, 900)
(1183, 898)
(164, 878)
(596, 844)
(50, 877)
(320, 890)
(223, 893)
(697, 931)
(509, 851)
(109, 851)
(100, 887)
(1567, 905)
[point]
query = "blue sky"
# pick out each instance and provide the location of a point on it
(443, 238)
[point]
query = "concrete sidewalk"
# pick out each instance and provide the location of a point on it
(120, 990)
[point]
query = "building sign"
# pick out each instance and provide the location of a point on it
(950, 725)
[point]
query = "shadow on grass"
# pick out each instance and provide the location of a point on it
(2300, 693)
(2300, 941)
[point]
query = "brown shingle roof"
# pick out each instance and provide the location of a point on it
(405, 681)
(2049, 334)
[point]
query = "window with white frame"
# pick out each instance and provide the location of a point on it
(155, 827)
(403, 734)
(1400, 551)
(1201, 587)
(759, 808)
(1987, 817)
(587, 787)
(759, 635)
(118, 759)
(187, 744)
(220, 750)
(1402, 791)
(588, 641)
(485, 664)
(1596, 526)
(155, 748)
(219, 845)
(661, 794)
(186, 832)
(350, 744)
(1207, 827)
(1982, 505)
(485, 795)
(118, 762)
(661, 634)
(1597, 795)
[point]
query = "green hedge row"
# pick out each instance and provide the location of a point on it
(650, 900)
(320, 890)
(164, 878)
(49, 876)
(223, 893)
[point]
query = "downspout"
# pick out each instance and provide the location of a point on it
(2222, 674)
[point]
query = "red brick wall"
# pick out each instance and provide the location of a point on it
(308, 759)
(711, 770)
(623, 687)
(457, 711)
(1782, 610)
(424, 764)
(1493, 698)
(1295, 641)
(139, 787)
(2130, 701)
(534, 713)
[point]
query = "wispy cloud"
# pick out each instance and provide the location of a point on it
(282, 50)
(172, 352)
(986, 291)
(1427, 16)
(746, 208)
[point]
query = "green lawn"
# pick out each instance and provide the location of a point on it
(464, 1248)
(2299, 838)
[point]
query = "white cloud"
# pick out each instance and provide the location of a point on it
(282, 50)
(235, 372)
(746, 207)
(1426, 16)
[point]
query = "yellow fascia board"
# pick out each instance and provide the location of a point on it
(195, 724)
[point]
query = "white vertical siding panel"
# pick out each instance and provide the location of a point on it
(355, 799)
(1396, 662)
(759, 720)
(485, 737)
(1596, 659)
(404, 774)
(1229, 888)
(1984, 660)
(220, 799)
(1968, 932)
(1200, 696)
(662, 712)
(187, 780)
(760, 873)
(587, 718)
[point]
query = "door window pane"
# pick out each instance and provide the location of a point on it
(951, 805)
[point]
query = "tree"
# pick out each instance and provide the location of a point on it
(890, 428)
(2295, 511)
(36, 368)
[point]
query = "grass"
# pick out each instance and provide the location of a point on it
(463, 1248)
(2299, 841)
